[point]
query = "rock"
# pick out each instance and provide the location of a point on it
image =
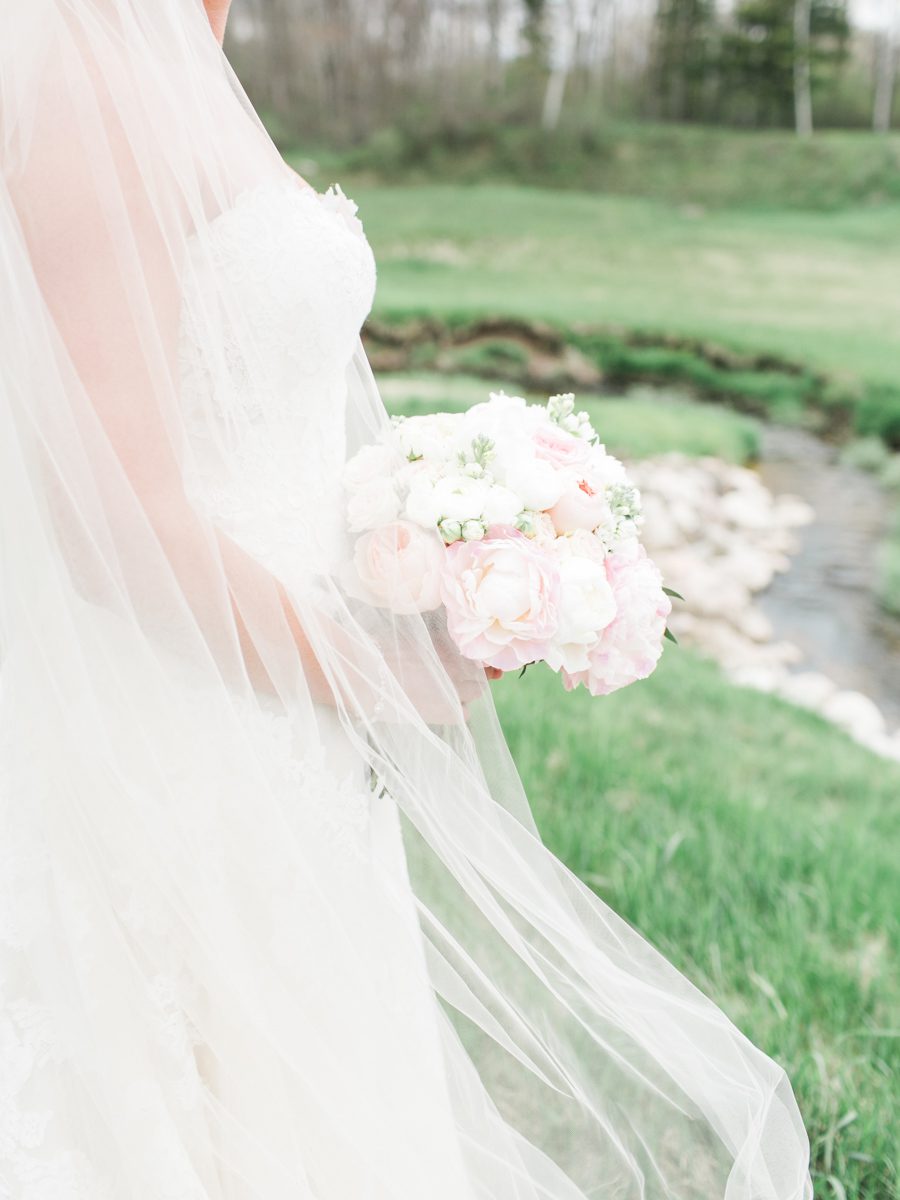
(751, 567)
(793, 512)
(856, 713)
(809, 689)
(760, 678)
(754, 625)
(746, 510)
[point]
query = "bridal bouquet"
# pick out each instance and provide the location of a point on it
(541, 559)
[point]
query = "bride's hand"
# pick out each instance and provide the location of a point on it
(217, 11)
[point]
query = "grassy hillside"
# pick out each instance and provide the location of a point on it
(710, 166)
(756, 846)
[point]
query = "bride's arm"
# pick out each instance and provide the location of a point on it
(107, 251)
(217, 11)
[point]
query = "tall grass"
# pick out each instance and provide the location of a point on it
(756, 847)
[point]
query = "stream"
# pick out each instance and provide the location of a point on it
(825, 603)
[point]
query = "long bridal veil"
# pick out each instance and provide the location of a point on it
(168, 698)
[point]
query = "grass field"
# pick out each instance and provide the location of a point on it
(817, 288)
(756, 847)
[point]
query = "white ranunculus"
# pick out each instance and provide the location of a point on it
(373, 504)
(587, 606)
(537, 483)
(454, 498)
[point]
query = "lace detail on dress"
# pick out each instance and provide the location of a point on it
(275, 293)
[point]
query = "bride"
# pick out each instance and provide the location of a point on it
(275, 921)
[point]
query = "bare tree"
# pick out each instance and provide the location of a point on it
(885, 70)
(803, 116)
(565, 51)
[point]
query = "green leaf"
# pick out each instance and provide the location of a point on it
(671, 592)
(670, 636)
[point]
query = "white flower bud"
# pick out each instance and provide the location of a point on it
(450, 531)
(473, 531)
(525, 523)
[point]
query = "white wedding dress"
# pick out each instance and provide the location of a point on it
(365, 1020)
(275, 921)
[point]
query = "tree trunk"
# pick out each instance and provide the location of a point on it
(885, 75)
(803, 116)
(565, 51)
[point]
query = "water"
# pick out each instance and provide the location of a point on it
(825, 603)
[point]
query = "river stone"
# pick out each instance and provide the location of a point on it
(719, 536)
(856, 713)
(809, 689)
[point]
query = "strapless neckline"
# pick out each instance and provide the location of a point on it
(276, 289)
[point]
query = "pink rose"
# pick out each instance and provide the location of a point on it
(502, 599)
(629, 648)
(400, 566)
(559, 448)
(582, 505)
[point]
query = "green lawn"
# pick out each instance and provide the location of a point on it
(820, 288)
(756, 847)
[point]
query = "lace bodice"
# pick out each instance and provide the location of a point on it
(275, 293)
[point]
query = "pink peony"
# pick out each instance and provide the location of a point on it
(629, 648)
(400, 566)
(502, 599)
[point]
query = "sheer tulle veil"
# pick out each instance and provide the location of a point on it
(142, 649)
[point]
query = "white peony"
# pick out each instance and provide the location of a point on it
(587, 606)
(432, 436)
